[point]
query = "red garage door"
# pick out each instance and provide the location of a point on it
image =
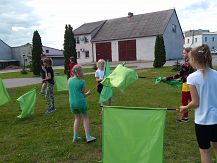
(103, 51)
(127, 50)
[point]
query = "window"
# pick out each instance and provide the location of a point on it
(205, 39)
(213, 39)
(77, 40)
(195, 39)
(174, 28)
(188, 41)
(78, 55)
(85, 39)
(47, 51)
(87, 54)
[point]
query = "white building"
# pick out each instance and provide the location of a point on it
(194, 38)
(129, 38)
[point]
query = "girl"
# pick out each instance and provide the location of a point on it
(186, 69)
(99, 75)
(72, 63)
(78, 103)
(203, 88)
(50, 83)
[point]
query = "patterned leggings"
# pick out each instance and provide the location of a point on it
(50, 96)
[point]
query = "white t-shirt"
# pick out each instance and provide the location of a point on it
(99, 73)
(206, 85)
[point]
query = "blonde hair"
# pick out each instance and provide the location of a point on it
(202, 55)
(100, 61)
(77, 71)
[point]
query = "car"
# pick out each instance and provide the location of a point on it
(213, 51)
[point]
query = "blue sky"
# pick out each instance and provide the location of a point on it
(20, 18)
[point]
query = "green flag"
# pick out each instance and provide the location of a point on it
(133, 135)
(4, 96)
(173, 83)
(107, 91)
(121, 77)
(27, 103)
(61, 83)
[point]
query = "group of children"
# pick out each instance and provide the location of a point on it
(198, 91)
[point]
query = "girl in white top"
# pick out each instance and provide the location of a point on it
(99, 75)
(203, 89)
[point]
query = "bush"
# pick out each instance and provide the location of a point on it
(159, 52)
(24, 71)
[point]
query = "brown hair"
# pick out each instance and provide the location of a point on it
(48, 61)
(187, 49)
(202, 55)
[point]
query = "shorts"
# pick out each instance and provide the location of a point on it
(206, 134)
(79, 110)
(99, 88)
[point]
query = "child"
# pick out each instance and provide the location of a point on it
(78, 103)
(50, 83)
(72, 63)
(99, 75)
(186, 69)
(43, 73)
(203, 88)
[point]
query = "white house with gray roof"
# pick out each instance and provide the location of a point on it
(129, 38)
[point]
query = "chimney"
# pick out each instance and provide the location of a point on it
(130, 14)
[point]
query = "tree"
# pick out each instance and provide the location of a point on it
(36, 53)
(69, 47)
(159, 52)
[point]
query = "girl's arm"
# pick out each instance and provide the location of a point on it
(98, 79)
(48, 77)
(195, 99)
(86, 93)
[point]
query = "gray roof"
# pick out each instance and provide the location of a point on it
(143, 25)
(87, 28)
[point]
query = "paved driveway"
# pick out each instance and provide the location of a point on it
(18, 82)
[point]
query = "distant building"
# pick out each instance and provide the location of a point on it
(129, 38)
(17, 55)
(194, 38)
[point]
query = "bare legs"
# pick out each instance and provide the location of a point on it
(205, 154)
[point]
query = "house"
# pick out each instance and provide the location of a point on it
(194, 38)
(20, 54)
(129, 38)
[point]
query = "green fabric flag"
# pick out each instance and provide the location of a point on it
(4, 96)
(121, 77)
(173, 83)
(27, 103)
(107, 91)
(133, 135)
(61, 83)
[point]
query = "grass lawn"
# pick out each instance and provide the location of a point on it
(48, 138)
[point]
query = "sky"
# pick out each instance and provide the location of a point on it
(20, 18)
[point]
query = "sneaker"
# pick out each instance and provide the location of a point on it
(182, 120)
(91, 139)
(75, 140)
(51, 110)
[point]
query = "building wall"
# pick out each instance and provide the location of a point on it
(84, 47)
(173, 39)
(52, 51)
(5, 51)
(22, 52)
(145, 48)
(211, 40)
(205, 38)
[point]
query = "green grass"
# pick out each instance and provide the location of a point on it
(48, 138)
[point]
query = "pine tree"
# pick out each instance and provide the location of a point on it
(69, 47)
(159, 52)
(36, 53)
